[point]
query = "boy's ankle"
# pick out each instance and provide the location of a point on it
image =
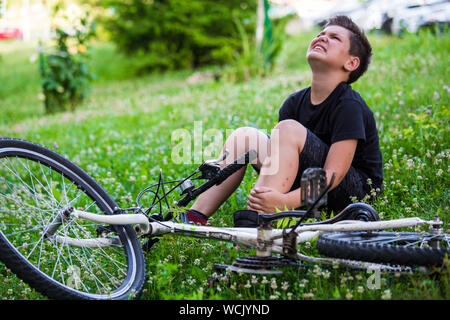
(192, 216)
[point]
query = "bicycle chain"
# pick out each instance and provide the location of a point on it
(264, 262)
(256, 263)
(357, 265)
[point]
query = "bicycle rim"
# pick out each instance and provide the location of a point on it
(403, 248)
(36, 185)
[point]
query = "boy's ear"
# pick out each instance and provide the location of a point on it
(352, 64)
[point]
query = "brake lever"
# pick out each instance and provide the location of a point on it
(216, 162)
(210, 168)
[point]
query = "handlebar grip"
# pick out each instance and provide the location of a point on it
(220, 177)
(243, 160)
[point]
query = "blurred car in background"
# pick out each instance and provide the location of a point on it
(394, 16)
(391, 16)
(10, 33)
(414, 17)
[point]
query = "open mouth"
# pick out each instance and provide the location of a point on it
(319, 48)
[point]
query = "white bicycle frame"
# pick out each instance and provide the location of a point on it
(265, 240)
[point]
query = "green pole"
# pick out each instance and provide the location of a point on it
(267, 40)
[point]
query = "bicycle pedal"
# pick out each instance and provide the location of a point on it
(147, 246)
(313, 183)
(104, 230)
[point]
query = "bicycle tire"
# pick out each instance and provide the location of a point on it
(36, 184)
(396, 248)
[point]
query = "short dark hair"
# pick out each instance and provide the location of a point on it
(359, 45)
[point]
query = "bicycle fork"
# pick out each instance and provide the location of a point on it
(68, 214)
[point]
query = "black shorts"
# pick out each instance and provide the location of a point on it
(354, 184)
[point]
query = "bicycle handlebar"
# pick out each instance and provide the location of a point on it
(220, 177)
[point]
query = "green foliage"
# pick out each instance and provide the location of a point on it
(64, 71)
(176, 34)
(255, 61)
(122, 139)
(247, 64)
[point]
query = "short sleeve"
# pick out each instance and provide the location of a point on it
(287, 109)
(348, 122)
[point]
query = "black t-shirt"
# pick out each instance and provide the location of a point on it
(342, 115)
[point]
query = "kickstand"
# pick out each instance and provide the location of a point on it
(147, 246)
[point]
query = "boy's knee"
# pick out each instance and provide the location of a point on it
(249, 134)
(291, 128)
(245, 138)
(245, 131)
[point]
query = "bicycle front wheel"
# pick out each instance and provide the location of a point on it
(397, 248)
(36, 186)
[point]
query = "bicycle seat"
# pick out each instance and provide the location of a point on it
(355, 211)
(253, 219)
(266, 218)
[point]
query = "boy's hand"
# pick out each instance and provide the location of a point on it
(266, 200)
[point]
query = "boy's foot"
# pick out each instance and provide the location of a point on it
(192, 216)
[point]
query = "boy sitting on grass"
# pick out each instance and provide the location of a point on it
(326, 125)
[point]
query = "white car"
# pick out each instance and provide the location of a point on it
(394, 15)
(414, 17)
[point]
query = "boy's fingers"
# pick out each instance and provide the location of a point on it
(253, 206)
(261, 189)
(254, 200)
(256, 196)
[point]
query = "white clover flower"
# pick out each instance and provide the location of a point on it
(273, 285)
(386, 295)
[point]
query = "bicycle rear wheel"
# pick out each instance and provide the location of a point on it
(402, 248)
(36, 186)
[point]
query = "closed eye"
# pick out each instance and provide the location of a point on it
(332, 36)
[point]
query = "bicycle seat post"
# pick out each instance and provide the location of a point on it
(264, 242)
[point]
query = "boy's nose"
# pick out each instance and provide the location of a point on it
(323, 38)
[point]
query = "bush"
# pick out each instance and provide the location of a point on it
(65, 76)
(256, 61)
(175, 34)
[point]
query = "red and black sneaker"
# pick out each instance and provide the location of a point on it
(192, 216)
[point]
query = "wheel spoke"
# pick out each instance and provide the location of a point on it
(33, 194)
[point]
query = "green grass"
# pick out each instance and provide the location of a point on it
(122, 137)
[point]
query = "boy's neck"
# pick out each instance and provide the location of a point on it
(322, 85)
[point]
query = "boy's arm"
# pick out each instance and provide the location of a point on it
(339, 160)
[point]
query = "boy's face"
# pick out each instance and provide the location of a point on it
(330, 49)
